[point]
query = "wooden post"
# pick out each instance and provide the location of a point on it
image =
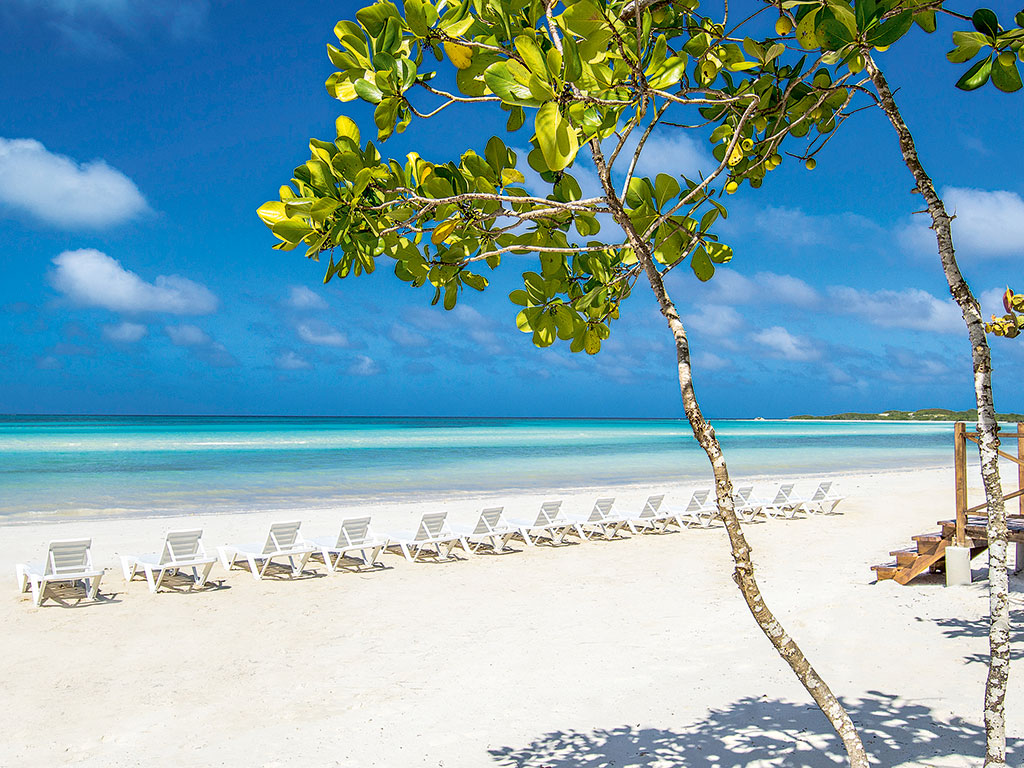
(960, 475)
(1020, 464)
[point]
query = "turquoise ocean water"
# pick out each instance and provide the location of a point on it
(61, 467)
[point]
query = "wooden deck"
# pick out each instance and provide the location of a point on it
(929, 550)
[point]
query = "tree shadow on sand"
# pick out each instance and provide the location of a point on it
(765, 732)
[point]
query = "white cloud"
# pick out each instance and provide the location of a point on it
(731, 287)
(301, 297)
(289, 361)
(321, 334)
(403, 336)
(90, 24)
(986, 223)
(187, 335)
(778, 342)
(61, 192)
(708, 361)
(126, 333)
(715, 320)
(93, 279)
(797, 228)
(674, 153)
(364, 366)
(910, 308)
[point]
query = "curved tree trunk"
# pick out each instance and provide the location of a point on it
(743, 573)
(988, 438)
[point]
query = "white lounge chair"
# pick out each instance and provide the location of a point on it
(653, 517)
(491, 530)
(283, 541)
(68, 561)
(698, 511)
(747, 507)
(433, 531)
(822, 501)
(549, 522)
(355, 536)
(182, 550)
(601, 521)
(781, 505)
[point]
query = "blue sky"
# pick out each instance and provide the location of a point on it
(136, 141)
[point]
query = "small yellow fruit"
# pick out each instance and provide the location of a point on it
(760, 124)
(747, 144)
(881, 48)
(777, 159)
(1007, 59)
(731, 187)
(811, 164)
(783, 26)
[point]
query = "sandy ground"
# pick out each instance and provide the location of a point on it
(637, 652)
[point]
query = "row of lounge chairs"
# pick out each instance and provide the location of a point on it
(70, 561)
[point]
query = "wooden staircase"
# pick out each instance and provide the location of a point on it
(928, 554)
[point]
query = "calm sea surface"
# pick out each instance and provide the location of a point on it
(53, 467)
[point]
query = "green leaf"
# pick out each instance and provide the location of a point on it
(833, 35)
(701, 265)
(346, 127)
(291, 230)
(271, 212)
(473, 280)
(532, 55)
(506, 87)
(518, 296)
(985, 21)
(806, 30)
(976, 76)
(571, 59)
(1006, 77)
(719, 253)
(892, 30)
(368, 91)
(925, 20)
(556, 137)
(665, 188)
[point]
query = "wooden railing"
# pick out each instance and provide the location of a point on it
(960, 438)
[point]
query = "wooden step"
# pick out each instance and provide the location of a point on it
(887, 571)
(905, 556)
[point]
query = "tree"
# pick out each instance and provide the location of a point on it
(591, 75)
(849, 35)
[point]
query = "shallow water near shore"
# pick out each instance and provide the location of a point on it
(71, 467)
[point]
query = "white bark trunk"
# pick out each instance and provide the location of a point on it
(988, 442)
(743, 573)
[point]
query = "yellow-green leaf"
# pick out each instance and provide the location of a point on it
(461, 56)
(443, 230)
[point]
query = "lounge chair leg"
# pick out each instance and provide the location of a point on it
(257, 573)
(38, 590)
(126, 569)
(201, 581)
(94, 587)
(22, 578)
(302, 565)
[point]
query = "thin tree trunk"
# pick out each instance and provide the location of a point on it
(743, 573)
(988, 438)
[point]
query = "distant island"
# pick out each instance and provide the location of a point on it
(925, 414)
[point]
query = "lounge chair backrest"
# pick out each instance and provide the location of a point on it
(822, 492)
(548, 512)
(181, 545)
(68, 555)
(652, 505)
(602, 508)
(489, 520)
(697, 501)
(431, 526)
(742, 494)
(783, 494)
(353, 531)
(282, 536)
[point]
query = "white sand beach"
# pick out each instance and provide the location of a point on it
(635, 652)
